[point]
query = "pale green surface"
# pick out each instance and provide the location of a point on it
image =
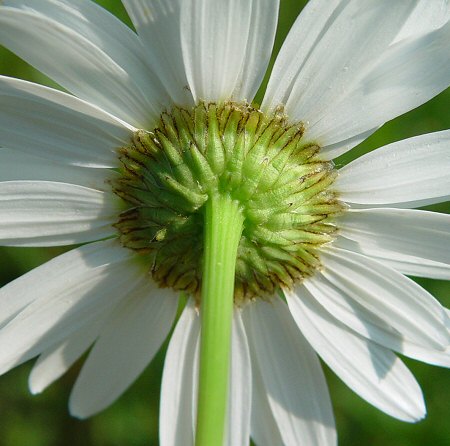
(133, 420)
(223, 228)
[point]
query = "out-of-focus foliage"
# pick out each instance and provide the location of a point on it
(43, 420)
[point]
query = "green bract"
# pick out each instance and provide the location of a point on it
(282, 186)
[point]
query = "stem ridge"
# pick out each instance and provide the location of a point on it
(222, 232)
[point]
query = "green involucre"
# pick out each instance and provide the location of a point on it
(282, 186)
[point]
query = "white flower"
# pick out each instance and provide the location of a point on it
(345, 68)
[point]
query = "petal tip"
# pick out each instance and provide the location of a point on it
(35, 388)
(416, 412)
(77, 411)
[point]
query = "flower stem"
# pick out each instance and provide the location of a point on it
(222, 232)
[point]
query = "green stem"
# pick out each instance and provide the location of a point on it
(223, 229)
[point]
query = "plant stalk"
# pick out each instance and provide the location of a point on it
(222, 233)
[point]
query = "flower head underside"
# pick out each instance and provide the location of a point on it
(157, 136)
(280, 182)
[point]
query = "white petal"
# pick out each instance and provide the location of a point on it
(15, 165)
(176, 410)
(99, 58)
(16, 295)
(158, 27)
(348, 311)
(410, 265)
(412, 232)
(259, 48)
(237, 423)
(56, 299)
(128, 342)
(43, 213)
(240, 387)
(349, 142)
(394, 298)
(408, 173)
(312, 72)
(405, 76)
(215, 38)
(373, 372)
(55, 361)
(264, 428)
(302, 38)
(292, 375)
(427, 16)
(58, 126)
(434, 357)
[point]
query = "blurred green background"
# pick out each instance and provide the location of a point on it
(43, 420)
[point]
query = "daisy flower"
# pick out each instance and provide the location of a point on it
(159, 165)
